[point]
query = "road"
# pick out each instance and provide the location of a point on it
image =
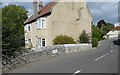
(103, 59)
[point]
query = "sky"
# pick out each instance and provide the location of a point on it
(104, 10)
(99, 10)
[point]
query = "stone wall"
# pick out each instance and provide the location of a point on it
(30, 55)
(77, 47)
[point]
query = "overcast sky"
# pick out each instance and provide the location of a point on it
(104, 10)
(99, 10)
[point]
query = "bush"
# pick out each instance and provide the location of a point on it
(95, 42)
(83, 38)
(96, 35)
(96, 32)
(63, 39)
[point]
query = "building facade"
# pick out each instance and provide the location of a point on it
(56, 18)
(114, 33)
(117, 24)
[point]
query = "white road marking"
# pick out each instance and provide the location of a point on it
(101, 57)
(111, 49)
(78, 71)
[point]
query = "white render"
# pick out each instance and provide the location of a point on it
(117, 24)
(113, 34)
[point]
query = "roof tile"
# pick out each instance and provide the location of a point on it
(116, 28)
(46, 9)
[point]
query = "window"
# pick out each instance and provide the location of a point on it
(29, 41)
(28, 27)
(25, 28)
(41, 42)
(38, 24)
(26, 41)
(41, 23)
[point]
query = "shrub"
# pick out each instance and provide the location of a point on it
(94, 42)
(63, 39)
(96, 32)
(96, 35)
(83, 38)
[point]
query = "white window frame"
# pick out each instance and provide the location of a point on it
(26, 41)
(40, 23)
(27, 28)
(43, 26)
(30, 41)
(44, 41)
(40, 42)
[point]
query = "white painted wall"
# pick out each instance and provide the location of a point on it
(113, 34)
(117, 24)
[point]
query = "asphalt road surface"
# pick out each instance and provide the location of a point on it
(103, 59)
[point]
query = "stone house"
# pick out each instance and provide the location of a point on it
(55, 18)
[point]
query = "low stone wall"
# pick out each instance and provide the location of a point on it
(77, 47)
(41, 53)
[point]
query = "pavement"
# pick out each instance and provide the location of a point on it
(103, 59)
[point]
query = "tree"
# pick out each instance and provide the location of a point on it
(106, 29)
(96, 32)
(83, 38)
(13, 18)
(63, 39)
(101, 23)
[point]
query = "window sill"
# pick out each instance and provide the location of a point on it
(41, 28)
(27, 31)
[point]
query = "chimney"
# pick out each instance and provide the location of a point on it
(40, 5)
(35, 12)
